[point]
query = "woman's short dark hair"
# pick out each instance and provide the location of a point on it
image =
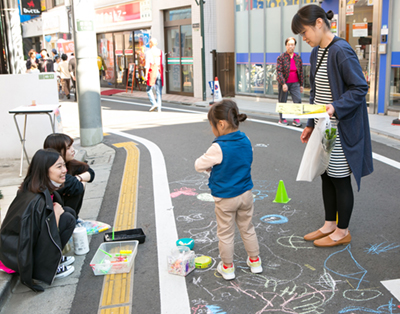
(290, 38)
(37, 178)
(225, 110)
(64, 57)
(308, 15)
(61, 142)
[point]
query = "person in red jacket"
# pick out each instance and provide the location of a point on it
(289, 68)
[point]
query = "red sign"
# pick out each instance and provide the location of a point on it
(118, 52)
(128, 51)
(67, 47)
(118, 13)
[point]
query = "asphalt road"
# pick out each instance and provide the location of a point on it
(297, 277)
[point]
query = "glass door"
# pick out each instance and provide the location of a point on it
(119, 60)
(128, 54)
(359, 22)
(179, 70)
(141, 44)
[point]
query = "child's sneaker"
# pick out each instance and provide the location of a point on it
(255, 266)
(226, 273)
(64, 271)
(67, 260)
(284, 122)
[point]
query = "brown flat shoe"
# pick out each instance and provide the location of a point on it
(328, 242)
(315, 235)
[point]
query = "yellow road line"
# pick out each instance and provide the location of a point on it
(116, 294)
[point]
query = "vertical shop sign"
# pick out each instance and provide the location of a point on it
(350, 9)
(84, 16)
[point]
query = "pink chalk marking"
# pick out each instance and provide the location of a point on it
(183, 191)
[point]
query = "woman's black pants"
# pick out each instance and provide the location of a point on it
(66, 225)
(338, 198)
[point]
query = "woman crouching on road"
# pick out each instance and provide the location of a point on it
(37, 226)
(337, 81)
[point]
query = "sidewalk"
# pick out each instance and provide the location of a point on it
(379, 124)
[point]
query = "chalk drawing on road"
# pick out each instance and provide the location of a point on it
(261, 145)
(190, 218)
(198, 181)
(206, 235)
(183, 191)
(389, 308)
(381, 248)
(361, 294)
(294, 242)
(205, 197)
(274, 219)
(357, 271)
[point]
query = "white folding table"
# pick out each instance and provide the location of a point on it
(30, 110)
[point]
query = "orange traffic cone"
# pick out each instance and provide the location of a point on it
(281, 195)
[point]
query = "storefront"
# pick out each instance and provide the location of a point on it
(123, 34)
(262, 27)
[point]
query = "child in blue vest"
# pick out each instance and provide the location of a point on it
(229, 160)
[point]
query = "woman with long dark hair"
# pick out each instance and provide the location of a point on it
(336, 80)
(79, 173)
(37, 226)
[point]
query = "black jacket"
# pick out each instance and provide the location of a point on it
(29, 239)
(46, 65)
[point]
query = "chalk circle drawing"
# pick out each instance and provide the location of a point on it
(274, 219)
(361, 295)
(383, 309)
(190, 218)
(205, 197)
(294, 242)
(183, 191)
(261, 145)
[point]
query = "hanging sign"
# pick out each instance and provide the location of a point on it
(370, 2)
(350, 9)
(360, 29)
(31, 7)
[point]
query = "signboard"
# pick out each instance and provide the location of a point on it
(360, 29)
(84, 16)
(370, 2)
(31, 7)
(350, 9)
(118, 13)
(66, 47)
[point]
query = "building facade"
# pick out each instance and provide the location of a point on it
(370, 26)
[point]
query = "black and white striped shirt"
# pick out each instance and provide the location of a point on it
(338, 166)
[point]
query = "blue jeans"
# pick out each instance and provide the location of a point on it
(294, 89)
(158, 88)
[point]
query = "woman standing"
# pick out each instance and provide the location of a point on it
(337, 81)
(32, 60)
(289, 69)
(37, 227)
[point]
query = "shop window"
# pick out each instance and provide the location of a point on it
(178, 14)
(395, 87)
(58, 2)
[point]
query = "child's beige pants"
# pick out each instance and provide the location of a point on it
(237, 209)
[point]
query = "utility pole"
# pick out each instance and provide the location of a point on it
(87, 73)
(203, 55)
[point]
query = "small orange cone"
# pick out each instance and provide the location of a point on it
(217, 90)
(281, 195)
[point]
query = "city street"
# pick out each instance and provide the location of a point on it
(174, 200)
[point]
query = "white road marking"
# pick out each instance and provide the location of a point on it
(173, 291)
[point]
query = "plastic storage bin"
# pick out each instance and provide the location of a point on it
(114, 258)
(181, 261)
(126, 235)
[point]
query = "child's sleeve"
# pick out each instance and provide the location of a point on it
(212, 157)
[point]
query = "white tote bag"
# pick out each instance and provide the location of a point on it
(315, 159)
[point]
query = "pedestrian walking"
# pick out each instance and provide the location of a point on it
(37, 226)
(289, 69)
(65, 76)
(154, 74)
(54, 53)
(56, 64)
(337, 81)
(72, 71)
(229, 160)
(79, 173)
(32, 60)
(45, 63)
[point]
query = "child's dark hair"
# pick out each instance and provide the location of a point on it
(226, 110)
(308, 15)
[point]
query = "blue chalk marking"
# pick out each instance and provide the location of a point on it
(383, 309)
(274, 219)
(215, 309)
(379, 248)
(362, 271)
